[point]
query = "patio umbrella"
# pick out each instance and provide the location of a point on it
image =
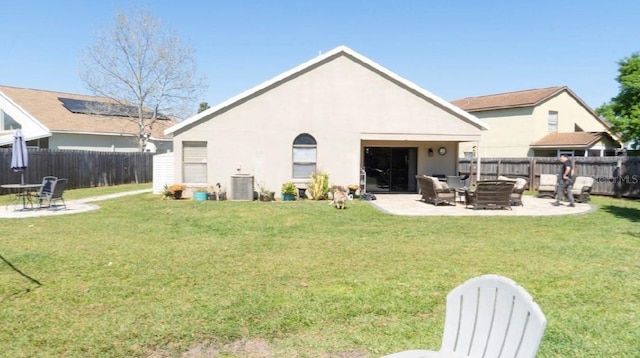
(19, 156)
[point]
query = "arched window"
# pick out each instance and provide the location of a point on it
(304, 155)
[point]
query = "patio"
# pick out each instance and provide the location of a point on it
(410, 205)
(73, 207)
(394, 204)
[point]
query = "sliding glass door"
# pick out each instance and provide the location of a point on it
(390, 169)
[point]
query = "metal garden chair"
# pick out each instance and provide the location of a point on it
(56, 194)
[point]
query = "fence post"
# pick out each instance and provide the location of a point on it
(532, 174)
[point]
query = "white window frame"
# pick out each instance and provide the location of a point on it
(194, 162)
(552, 121)
(304, 155)
(7, 123)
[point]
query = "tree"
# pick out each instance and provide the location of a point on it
(142, 66)
(623, 111)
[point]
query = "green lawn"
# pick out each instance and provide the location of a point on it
(157, 278)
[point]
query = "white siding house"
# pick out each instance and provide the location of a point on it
(337, 113)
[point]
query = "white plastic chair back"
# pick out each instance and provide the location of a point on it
(490, 317)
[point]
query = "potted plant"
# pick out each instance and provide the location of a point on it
(217, 192)
(200, 194)
(353, 188)
(265, 195)
(289, 190)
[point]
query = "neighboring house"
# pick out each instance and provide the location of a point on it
(539, 122)
(337, 113)
(56, 120)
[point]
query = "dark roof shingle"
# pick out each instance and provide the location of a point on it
(569, 140)
(518, 99)
(47, 108)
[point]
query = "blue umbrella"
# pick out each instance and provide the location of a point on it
(19, 157)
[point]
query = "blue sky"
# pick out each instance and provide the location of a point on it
(453, 49)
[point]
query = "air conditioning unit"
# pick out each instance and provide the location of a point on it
(241, 187)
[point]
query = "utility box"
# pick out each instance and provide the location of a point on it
(242, 187)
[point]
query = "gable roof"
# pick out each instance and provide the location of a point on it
(49, 110)
(32, 129)
(519, 99)
(523, 99)
(571, 140)
(317, 61)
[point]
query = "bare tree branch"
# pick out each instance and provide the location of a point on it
(140, 62)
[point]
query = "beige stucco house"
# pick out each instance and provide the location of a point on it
(538, 122)
(336, 113)
(65, 121)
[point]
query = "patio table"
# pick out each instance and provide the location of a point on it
(22, 191)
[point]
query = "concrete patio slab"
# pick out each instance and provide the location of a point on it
(395, 204)
(73, 207)
(411, 205)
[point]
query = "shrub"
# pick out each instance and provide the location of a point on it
(319, 186)
(289, 188)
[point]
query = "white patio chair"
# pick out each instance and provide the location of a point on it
(488, 316)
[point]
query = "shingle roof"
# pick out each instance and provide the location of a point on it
(569, 140)
(527, 98)
(46, 107)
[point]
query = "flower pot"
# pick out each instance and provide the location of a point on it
(199, 196)
(302, 193)
(269, 196)
(288, 197)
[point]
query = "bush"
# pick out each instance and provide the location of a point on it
(319, 186)
(289, 188)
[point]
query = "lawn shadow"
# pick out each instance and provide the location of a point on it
(630, 214)
(31, 279)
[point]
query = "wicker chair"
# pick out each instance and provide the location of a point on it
(547, 185)
(435, 192)
(582, 189)
(518, 188)
(490, 194)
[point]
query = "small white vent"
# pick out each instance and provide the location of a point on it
(241, 187)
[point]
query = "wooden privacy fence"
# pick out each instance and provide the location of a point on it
(616, 176)
(84, 169)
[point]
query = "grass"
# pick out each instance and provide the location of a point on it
(157, 278)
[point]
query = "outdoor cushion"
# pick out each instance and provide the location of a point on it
(432, 195)
(437, 185)
(548, 180)
(520, 183)
(547, 185)
(581, 189)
